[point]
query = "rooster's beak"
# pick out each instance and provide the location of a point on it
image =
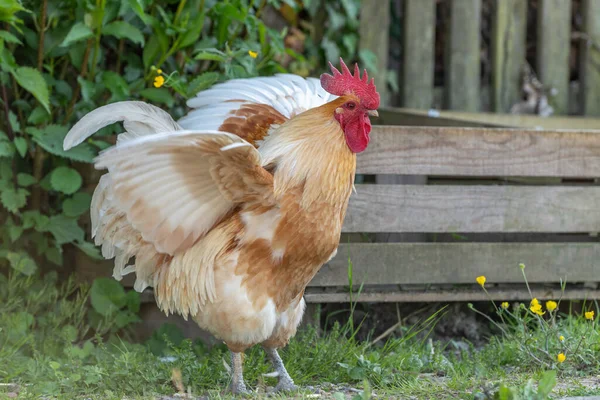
(373, 113)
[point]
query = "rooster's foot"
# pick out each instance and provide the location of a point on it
(285, 382)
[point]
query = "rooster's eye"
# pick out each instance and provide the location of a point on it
(350, 106)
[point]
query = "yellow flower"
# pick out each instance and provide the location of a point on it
(159, 71)
(504, 305)
(589, 315)
(536, 307)
(481, 280)
(561, 357)
(159, 81)
(551, 305)
(561, 338)
(252, 54)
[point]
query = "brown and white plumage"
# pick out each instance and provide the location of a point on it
(230, 212)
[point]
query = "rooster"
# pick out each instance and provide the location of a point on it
(231, 211)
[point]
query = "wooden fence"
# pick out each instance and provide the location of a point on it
(506, 51)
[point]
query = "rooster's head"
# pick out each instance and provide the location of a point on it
(361, 101)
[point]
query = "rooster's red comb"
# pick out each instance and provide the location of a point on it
(341, 83)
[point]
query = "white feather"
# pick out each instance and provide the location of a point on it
(140, 119)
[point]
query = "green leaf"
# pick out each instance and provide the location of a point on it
(38, 116)
(107, 295)
(351, 7)
(14, 199)
(22, 262)
(14, 122)
(77, 205)
(151, 50)
(546, 384)
(51, 140)
(211, 54)
(78, 32)
(7, 149)
(9, 37)
(124, 30)
(31, 80)
(14, 232)
(54, 255)
(90, 250)
(33, 219)
(21, 146)
(65, 180)
(117, 86)
(202, 82)
(158, 95)
(138, 7)
(193, 32)
(65, 229)
(132, 300)
(25, 180)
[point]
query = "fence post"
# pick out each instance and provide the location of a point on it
(508, 53)
(374, 36)
(463, 60)
(418, 54)
(590, 58)
(553, 45)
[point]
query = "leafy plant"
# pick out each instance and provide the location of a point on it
(539, 330)
(60, 60)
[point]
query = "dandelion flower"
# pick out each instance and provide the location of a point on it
(551, 305)
(561, 357)
(252, 54)
(159, 81)
(159, 71)
(504, 305)
(589, 315)
(481, 280)
(561, 338)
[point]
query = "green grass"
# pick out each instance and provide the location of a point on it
(49, 346)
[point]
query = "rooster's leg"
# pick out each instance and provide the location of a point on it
(285, 382)
(237, 383)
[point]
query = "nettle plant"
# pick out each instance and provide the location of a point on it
(60, 60)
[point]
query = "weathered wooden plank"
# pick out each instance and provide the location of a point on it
(481, 152)
(508, 52)
(414, 117)
(462, 82)
(553, 45)
(374, 36)
(418, 58)
(460, 263)
(428, 296)
(439, 208)
(590, 58)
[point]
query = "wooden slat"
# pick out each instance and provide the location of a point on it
(460, 263)
(553, 45)
(418, 53)
(374, 36)
(414, 117)
(462, 83)
(481, 152)
(420, 296)
(439, 208)
(590, 58)
(508, 52)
